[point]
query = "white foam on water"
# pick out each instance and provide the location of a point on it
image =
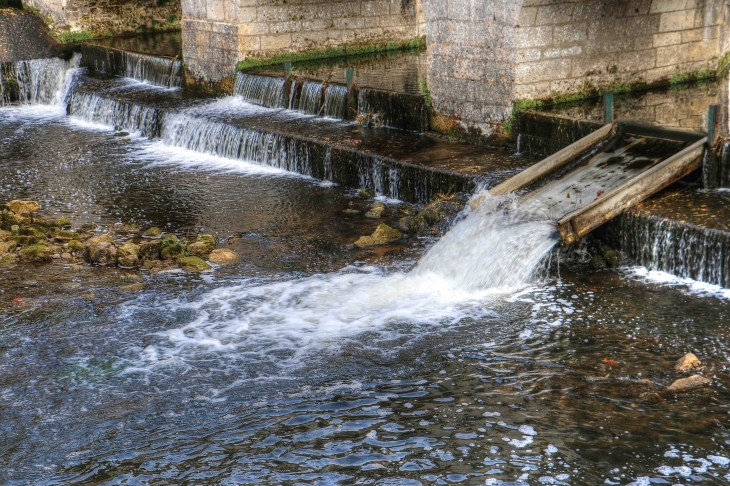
(694, 287)
(285, 322)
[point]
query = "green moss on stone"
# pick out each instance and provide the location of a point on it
(193, 264)
(349, 50)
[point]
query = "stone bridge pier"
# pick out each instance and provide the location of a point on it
(484, 55)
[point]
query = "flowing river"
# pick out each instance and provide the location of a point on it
(474, 359)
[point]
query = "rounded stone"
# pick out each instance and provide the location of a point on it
(224, 257)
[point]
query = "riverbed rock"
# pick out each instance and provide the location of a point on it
(598, 262)
(150, 252)
(376, 211)
(404, 224)
(686, 384)
(366, 193)
(203, 245)
(128, 255)
(350, 212)
(62, 222)
(37, 253)
(126, 228)
(193, 264)
(101, 251)
(7, 260)
(66, 235)
(23, 208)
(133, 288)
(76, 246)
(382, 235)
(687, 364)
(171, 249)
(153, 232)
(224, 257)
(7, 247)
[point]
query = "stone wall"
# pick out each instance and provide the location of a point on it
(109, 16)
(472, 51)
(486, 54)
(219, 33)
(569, 47)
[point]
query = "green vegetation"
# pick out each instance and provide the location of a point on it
(69, 37)
(423, 88)
(723, 63)
(351, 50)
(680, 79)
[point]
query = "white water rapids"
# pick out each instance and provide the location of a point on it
(492, 252)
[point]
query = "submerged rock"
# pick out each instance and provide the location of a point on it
(24, 208)
(598, 262)
(193, 264)
(350, 212)
(686, 384)
(150, 251)
(153, 232)
(171, 249)
(126, 228)
(8, 247)
(102, 251)
(133, 288)
(7, 260)
(224, 257)
(128, 255)
(382, 235)
(204, 244)
(366, 193)
(687, 363)
(37, 253)
(376, 211)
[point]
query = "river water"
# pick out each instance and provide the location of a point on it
(313, 362)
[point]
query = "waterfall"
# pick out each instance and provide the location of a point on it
(311, 100)
(335, 101)
(725, 166)
(106, 111)
(261, 90)
(682, 249)
(293, 95)
(38, 81)
(497, 246)
(159, 71)
(212, 137)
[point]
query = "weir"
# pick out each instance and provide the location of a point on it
(158, 70)
(604, 174)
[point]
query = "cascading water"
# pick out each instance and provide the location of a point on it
(261, 90)
(335, 101)
(106, 111)
(681, 249)
(311, 99)
(725, 166)
(38, 81)
(154, 70)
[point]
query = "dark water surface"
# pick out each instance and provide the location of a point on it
(311, 362)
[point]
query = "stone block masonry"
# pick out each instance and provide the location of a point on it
(568, 47)
(485, 55)
(219, 33)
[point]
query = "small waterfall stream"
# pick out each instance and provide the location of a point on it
(261, 90)
(335, 101)
(159, 71)
(311, 99)
(37, 81)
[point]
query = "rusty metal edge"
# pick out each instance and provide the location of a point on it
(581, 222)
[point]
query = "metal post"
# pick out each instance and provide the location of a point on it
(711, 165)
(287, 68)
(350, 76)
(608, 107)
(712, 125)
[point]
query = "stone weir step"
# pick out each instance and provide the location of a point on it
(406, 166)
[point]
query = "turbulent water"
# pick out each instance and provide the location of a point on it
(39, 81)
(313, 362)
(261, 90)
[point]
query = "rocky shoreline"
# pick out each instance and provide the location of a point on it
(27, 238)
